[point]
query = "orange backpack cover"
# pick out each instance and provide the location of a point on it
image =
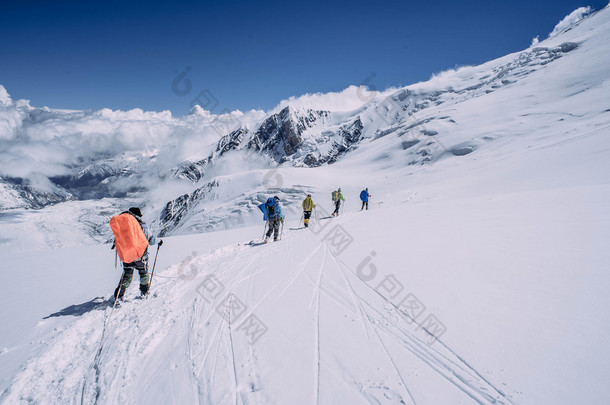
(130, 241)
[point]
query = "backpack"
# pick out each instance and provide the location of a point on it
(335, 195)
(271, 203)
(364, 195)
(129, 239)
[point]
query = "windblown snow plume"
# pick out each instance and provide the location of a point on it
(349, 99)
(571, 19)
(5, 98)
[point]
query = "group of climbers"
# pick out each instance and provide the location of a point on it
(132, 237)
(274, 216)
(337, 198)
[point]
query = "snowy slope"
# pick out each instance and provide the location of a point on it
(496, 276)
(496, 246)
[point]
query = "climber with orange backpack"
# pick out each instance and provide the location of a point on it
(131, 240)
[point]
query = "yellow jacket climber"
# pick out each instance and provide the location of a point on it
(308, 205)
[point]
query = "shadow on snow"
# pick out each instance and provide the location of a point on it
(97, 303)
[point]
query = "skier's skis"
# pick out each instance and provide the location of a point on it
(255, 242)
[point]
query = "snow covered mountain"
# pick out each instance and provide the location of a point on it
(478, 274)
(132, 155)
(420, 117)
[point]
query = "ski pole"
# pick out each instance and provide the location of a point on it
(152, 274)
(301, 220)
(265, 229)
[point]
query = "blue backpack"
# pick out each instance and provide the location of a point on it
(364, 195)
(271, 209)
(270, 205)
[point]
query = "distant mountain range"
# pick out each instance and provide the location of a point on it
(420, 118)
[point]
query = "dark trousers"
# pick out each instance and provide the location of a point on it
(306, 216)
(274, 227)
(365, 203)
(337, 206)
(142, 267)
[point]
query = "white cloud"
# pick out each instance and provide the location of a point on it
(40, 142)
(571, 19)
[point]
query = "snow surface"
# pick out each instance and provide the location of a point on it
(478, 277)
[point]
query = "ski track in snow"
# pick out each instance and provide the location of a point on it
(134, 331)
(396, 370)
(355, 300)
(316, 299)
(445, 362)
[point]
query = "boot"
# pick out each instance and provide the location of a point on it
(119, 293)
(144, 290)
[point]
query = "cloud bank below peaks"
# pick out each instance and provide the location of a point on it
(43, 142)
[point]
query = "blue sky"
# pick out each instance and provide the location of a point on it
(126, 54)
